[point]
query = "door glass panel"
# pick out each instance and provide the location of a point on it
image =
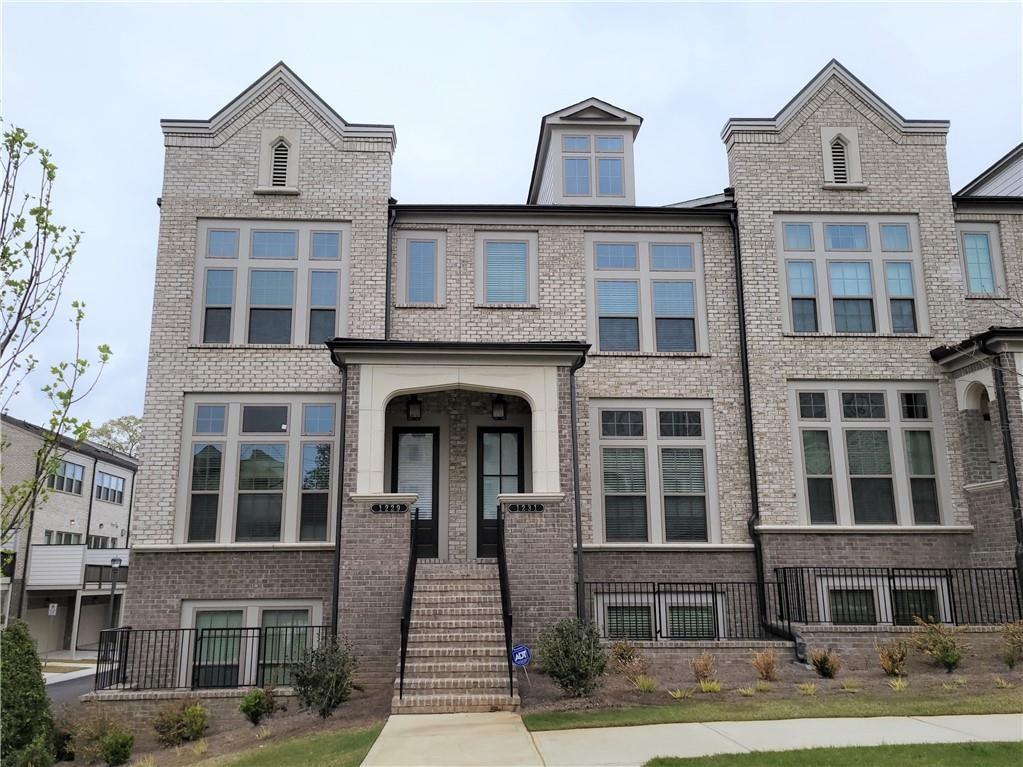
(285, 636)
(219, 648)
(491, 487)
(491, 453)
(415, 470)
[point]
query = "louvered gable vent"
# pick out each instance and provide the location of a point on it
(840, 161)
(279, 166)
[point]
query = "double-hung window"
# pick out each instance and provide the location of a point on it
(647, 293)
(67, 478)
(982, 267)
(609, 177)
(867, 453)
(508, 270)
(254, 278)
(109, 487)
(656, 471)
(601, 155)
(577, 176)
(422, 272)
(258, 471)
(846, 274)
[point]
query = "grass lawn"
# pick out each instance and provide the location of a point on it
(930, 755)
(345, 748)
(700, 709)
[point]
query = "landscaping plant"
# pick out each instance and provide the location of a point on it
(898, 684)
(324, 677)
(180, 723)
(702, 666)
(762, 686)
(849, 685)
(571, 655)
(939, 643)
(765, 663)
(681, 693)
(645, 683)
(747, 692)
(1012, 643)
(710, 685)
(259, 703)
(627, 659)
(89, 739)
(807, 688)
(26, 723)
(116, 745)
(826, 663)
(1003, 684)
(892, 657)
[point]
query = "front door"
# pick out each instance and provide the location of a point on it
(415, 469)
(498, 470)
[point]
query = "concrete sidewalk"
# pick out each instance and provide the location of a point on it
(501, 740)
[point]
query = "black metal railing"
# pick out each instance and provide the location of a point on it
(406, 602)
(171, 659)
(871, 596)
(506, 611)
(714, 610)
(103, 575)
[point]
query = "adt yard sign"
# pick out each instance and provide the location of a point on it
(521, 655)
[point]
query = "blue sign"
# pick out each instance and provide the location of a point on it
(520, 655)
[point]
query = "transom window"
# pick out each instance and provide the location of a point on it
(265, 282)
(868, 453)
(647, 293)
(857, 276)
(67, 478)
(259, 480)
(656, 480)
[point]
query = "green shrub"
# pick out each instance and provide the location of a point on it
(258, 704)
(939, 643)
(87, 737)
(1012, 643)
(179, 723)
(37, 753)
(25, 718)
(571, 655)
(116, 746)
(324, 677)
(825, 663)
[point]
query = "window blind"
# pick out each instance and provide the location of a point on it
(507, 272)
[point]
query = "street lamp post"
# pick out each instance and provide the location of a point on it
(115, 565)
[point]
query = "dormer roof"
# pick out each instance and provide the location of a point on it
(589, 112)
(1003, 179)
(832, 70)
(278, 81)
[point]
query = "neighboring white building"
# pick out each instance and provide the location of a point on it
(62, 554)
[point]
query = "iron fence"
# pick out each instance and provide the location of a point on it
(873, 596)
(648, 610)
(170, 659)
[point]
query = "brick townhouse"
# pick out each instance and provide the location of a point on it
(58, 563)
(780, 412)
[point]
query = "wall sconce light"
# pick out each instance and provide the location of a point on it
(414, 409)
(500, 409)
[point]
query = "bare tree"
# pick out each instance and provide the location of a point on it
(34, 262)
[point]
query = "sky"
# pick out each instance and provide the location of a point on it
(465, 84)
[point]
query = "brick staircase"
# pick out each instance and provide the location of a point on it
(456, 659)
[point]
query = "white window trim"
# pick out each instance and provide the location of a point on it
(404, 239)
(994, 244)
(852, 155)
(882, 588)
(836, 426)
(230, 441)
(822, 258)
(242, 264)
(532, 266)
(646, 276)
(651, 442)
(268, 139)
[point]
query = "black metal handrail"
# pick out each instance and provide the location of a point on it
(896, 595)
(506, 613)
(207, 658)
(406, 604)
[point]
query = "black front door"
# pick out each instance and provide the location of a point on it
(498, 470)
(415, 468)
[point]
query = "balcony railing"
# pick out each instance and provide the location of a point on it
(172, 659)
(67, 565)
(648, 610)
(872, 596)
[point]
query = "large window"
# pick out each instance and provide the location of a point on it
(267, 282)
(868, 453)
(982, 265)
(269, 474)
(647, 293)
(67, 478)
(506, 269)
(420, 267)
(851, 274)
(109, 487)
(656, 481)
(593, 165)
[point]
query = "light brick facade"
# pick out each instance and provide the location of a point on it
(776, 167)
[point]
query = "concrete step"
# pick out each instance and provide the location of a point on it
(453, 650)
(451, 702)
(438, 683)
(448, 623)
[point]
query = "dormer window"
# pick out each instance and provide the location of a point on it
(279, 164)
(839, 161)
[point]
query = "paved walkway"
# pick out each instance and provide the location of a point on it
(501, 740)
